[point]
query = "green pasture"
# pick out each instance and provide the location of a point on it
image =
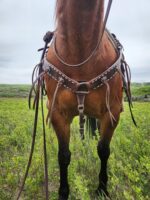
(129, 163)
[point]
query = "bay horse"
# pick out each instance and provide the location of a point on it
(83, 72)
(78, 31)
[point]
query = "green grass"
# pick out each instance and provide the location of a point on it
(129, 163)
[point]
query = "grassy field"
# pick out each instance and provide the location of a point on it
(129, 163)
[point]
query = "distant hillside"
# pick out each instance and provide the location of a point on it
(139, 90)
(14, 90)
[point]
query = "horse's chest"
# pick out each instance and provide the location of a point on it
(94, 103)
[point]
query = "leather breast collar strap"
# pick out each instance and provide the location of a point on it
(73, 85)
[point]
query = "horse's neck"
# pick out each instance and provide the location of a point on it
(79, 26)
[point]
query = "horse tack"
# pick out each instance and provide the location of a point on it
(81, 92)
(82, 88)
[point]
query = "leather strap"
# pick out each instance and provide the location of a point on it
(81, 92)
(37, 87)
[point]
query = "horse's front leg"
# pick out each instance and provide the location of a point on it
(62, 128)
(106, 130)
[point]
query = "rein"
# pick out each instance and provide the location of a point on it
(38, 88)
(95, 49)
